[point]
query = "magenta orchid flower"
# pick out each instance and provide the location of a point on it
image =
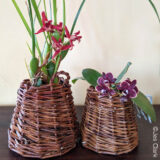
(47, 25)
(104, 84)
(59, 47)
(128, 88)
(72, 38)
(107, 86)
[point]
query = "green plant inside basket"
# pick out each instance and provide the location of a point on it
(58, 40)
(107, 85)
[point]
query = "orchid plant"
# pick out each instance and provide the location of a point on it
(155, 9)
(107, 85)
(58, 40)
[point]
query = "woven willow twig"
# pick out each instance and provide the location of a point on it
(108, 125)
(43, 124)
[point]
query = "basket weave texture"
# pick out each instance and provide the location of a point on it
(108, 125)
(44, 123)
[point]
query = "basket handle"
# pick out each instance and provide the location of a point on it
(61, 73)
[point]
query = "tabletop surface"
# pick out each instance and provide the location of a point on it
(149, 138)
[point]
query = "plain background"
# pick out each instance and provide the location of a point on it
(114, 32)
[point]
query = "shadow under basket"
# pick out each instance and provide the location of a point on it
(44, 122)
(108, 125)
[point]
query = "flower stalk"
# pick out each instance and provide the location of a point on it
(55, 11)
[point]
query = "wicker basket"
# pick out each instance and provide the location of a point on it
(44, 123)
(108, 125)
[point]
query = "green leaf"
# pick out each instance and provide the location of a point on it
(45, 8)
(34, 66)
(29, 49)
(123, 72)
(56, 35)
(142, 102)
(27, 27)
(39, 82)
(38, 9)
(77, 15)
(76, 79)
(91, 76)
(22, 17)
(32, 26)
(44, 70)
(50, 68)
(35, 6)
(155, 9)
(63, 54)
(56, 80)
(27, 69)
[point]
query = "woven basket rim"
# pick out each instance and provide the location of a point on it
(28, 82)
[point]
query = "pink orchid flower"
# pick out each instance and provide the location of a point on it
(47, 25)
(73, 37)
(59, 47)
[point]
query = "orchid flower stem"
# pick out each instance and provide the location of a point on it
(50, 5)
(64, 14)
(32, 26)
(45, 8)
(58, 61)
(55, 11)
(64, 19)
(49, 37)
(57, 64)
(46, 38)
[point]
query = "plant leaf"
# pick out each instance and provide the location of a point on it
(39, 82)
(45, 8)
(21, 16)
(34, 66)
(27, 27)
(77, 15)
(32, 26)
(63, 54)
(27, 69)
(50, 68)
(38, 8)
(29, 49)
(155, 9)
(123, 72)
(76, 79)
(142, 102)
(35, 6)
(91, 76)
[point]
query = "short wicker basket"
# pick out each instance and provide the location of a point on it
(44, 122)
(108, 125)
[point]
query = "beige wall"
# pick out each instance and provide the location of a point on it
(114, 32)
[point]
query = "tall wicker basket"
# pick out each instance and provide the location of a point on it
(44, 123)
(108, 125)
